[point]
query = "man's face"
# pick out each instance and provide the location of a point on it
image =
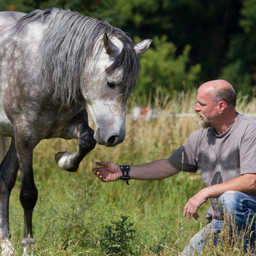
(206, 107)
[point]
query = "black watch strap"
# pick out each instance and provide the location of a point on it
(125, 173)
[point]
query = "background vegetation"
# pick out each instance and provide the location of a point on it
(76, 214)
(195, 40)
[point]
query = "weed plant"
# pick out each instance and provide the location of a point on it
(76, 214)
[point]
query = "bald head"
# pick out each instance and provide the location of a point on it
(220, 90)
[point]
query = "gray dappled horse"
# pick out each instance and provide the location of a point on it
(53, 63)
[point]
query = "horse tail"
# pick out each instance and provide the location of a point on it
(3, 147)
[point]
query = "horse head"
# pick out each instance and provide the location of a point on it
(94, 60)
(115, 75)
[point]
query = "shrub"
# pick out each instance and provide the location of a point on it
(161, 67)
(118, 238)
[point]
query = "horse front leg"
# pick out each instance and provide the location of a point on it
(78, 129)
(8, 170)
(28, 193)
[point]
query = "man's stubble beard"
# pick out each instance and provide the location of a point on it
(203, 121)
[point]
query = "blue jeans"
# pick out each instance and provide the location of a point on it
(237, 207)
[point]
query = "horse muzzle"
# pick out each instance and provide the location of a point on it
(109, 140)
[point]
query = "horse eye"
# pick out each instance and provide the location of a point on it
(111, 84)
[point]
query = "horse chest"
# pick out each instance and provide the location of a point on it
(52, 124)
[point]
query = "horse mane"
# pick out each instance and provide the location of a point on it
(67, 47)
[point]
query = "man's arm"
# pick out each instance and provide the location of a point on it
(245, 183)
(156, 170)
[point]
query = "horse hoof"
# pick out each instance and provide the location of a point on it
(63, 161)
(28, 246)
(7, 248)
(58, 156)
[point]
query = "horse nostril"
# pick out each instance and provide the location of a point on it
(112, 140)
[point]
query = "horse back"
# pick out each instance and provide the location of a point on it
(8, 19)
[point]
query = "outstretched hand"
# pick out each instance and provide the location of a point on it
(107, 172)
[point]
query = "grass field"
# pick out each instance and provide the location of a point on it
(76, 214)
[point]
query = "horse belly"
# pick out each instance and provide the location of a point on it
(6, 127)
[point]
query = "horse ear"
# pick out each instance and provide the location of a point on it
(110, 47)
(142, 46)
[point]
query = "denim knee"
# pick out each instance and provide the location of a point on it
(241, 208)
(229, 202)
(237, 203)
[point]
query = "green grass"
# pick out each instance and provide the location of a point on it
(76, 214)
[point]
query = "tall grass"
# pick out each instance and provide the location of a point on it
(76, 214)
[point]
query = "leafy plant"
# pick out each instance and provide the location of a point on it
(72, 225)
(118, 237)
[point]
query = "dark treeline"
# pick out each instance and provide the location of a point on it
(216, 39)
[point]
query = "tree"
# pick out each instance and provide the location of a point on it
(241, 58)
(161, 67)
(204, 25)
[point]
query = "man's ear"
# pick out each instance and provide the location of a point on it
(222, 106)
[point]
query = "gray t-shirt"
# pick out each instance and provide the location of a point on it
(219, 158)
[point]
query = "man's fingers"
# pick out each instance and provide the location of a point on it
(184, 213)
(99, 175)
(107, 171)
(190, 212)
(102, 177)
(195, 216)
(107, 166)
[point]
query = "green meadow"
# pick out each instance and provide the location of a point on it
(76, 214)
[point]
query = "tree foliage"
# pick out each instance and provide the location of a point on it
(162, 67)
(215, 37)
(241, 57)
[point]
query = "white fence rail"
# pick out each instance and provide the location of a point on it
(148, 113)
(159, 115)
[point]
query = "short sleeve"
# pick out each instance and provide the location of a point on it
(185, 157)
(248, 153)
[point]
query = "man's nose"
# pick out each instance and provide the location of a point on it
(197, 107)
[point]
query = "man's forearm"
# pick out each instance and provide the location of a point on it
(245, 183)
(156, 170)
